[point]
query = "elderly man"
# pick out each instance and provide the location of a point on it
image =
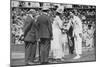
(44, 34)
(77, 33)
(30, 34)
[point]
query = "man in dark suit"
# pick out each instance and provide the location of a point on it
(71, 40)
(30, 37)
(45, 35)
(70, 36)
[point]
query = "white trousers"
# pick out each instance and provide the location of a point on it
(78, 45)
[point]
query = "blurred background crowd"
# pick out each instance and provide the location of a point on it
(20, 10)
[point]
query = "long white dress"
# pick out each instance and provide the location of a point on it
(56, 45)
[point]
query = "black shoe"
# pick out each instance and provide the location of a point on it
(72, 52)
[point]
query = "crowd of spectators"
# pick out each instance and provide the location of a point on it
(87, 16)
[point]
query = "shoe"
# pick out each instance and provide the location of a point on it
(62, 59)
(58, 60)
(36, 61)
(50, 60)
(72, 52)
(54, 61)
(29, 63)
(44, 62)
(77, 57)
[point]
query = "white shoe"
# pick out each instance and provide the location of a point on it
(30, 63)
(62, 60)
(77, 57)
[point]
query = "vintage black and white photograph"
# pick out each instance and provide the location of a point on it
(51, 33)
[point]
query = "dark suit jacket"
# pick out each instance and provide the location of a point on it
(44, 26)
(30, 30)
(27, 25)
(70, 31)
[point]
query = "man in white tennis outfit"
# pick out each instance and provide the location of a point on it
(77, 33)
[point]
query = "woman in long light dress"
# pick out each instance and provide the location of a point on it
(64, 38)
(56, 45)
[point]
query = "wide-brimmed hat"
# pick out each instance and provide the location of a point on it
(60, 9)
